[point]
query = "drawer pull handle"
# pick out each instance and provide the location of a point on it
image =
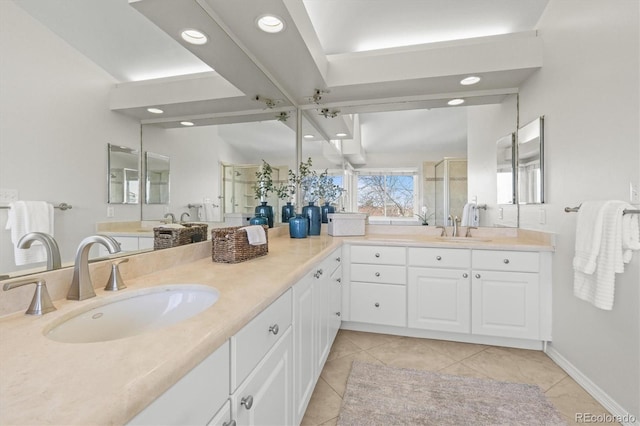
(506, 261)
(318, 273)
(338, 259)
(377, 274)
(465, 275)
(274, 329)
(438, 257)
(377, 305)
(339, 280)
(337, 314)
(477, 275)
(229, 423)
(247, 402)
(377, 254)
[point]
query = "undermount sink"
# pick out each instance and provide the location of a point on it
(135, 313)
(464, 239)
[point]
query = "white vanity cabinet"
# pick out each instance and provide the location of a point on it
(378, 277)
(439, 295)
(195, 398)
(506, 294)
(128, 243)
(316, 306)
(262, 367)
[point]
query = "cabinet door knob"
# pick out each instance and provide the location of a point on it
(337, 314)
(377, 274)
(377, 255)
(229, 423)
(477, 275)
(465, 275)
(339, 280)
(377, 305)
(274, 329)
(247, 402)
(506, 261)
(438, 257)
(338, 259)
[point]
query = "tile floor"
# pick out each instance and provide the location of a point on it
(505, 364)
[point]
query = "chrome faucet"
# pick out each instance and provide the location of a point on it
(81, 285)
(183, 215)
(455, 222)
(172, 216)
(49, 243)
(444, 230)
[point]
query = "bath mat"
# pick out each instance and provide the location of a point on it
(381, 395)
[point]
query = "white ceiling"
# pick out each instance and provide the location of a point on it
(321, 48)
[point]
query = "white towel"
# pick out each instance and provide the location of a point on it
(598, 286)
(588, 235)
(25, 217)
(256, 235)
(207, 212)
(470, 215)
(630, 234)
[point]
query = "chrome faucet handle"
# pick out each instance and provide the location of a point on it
(41, 302)
(469, 228)
(115, 281)
(444, 230)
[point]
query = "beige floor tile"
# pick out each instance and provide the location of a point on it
(324, 405)
(457, 351)
(368, 340)
(336, 372)
(332, 422)
(411, 353)
(459, 369)
(342, 346)
(572, 401)
(516, 365)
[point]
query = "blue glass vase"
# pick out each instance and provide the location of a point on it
(266, 211)
(326, 209)
(288, 212)
(259, 219)
(314, 216)
(298, 226)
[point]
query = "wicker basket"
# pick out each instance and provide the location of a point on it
(230, 245)
(174, 237)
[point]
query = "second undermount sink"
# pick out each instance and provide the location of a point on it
(464, 239)
(134, 313)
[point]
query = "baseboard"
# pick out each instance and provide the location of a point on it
(618, 412)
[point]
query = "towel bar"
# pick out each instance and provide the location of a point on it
(61, 206)
(625, 211)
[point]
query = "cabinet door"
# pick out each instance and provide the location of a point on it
(265, 398)
(384, 304)
(304, 327)
(505, 304)
(335, 304)
(439, 299)
(321, 314)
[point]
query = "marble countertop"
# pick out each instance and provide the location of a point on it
(48, 382)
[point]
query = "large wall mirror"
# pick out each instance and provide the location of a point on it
(505, 169)
(123, 175)
(157, 178)
(531, 162)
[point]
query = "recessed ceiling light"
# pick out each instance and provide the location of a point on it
(270, 24)
(155, 110)
(308, 136)
(341, 135)
(454, 102)
(193, 36)
(468, 81)
(186, 123)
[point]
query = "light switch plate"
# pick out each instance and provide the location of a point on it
(634, 195)
(8, 195)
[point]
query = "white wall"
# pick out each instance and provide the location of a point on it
(55, 124)
(588, 90)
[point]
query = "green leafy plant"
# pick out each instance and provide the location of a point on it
(264, 182)
(327, 190)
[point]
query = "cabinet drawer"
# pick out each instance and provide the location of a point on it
(495, 260)
(379, 304)
(440, 257)
(378, 255)
(250, 344)
(378, 273)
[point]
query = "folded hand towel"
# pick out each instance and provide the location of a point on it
(25, 217)
(207, 212)
(598, 286)
(470, 215)
(256, 235)
(171, 226)
(630, 234)
(588, 235)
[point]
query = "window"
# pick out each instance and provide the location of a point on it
(387, 193)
